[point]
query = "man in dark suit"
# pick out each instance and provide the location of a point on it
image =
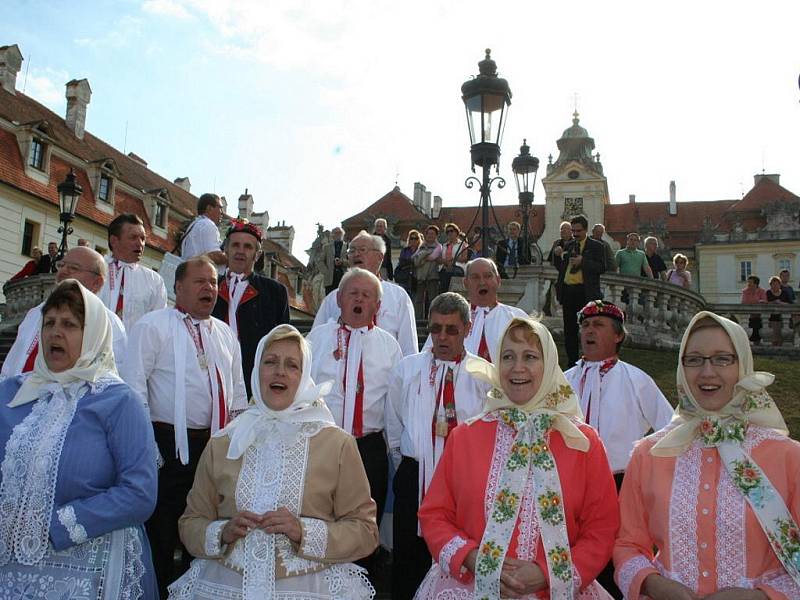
(47, 264)
(387, 269)
(252, 304)
(511, 252)
(334, 260)
(583, 261)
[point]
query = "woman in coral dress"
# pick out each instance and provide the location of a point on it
(716, 493)
(523, 503)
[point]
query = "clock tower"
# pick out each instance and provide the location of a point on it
(574, 184)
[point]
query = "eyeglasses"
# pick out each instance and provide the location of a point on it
(718, 360)
(72, 267)
(437, 329)
(359, 250)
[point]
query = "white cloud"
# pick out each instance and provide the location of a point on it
(167, 8)
(45, 86)
(120, 35)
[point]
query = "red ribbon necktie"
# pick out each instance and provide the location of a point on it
(343, 341)
(31, 360)
(194, 331)
(605, 367)
(120, 303)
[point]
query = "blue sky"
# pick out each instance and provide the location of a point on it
(318, 106)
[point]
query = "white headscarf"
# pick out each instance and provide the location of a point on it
(260, 421)
(555, 396)
(95, 361)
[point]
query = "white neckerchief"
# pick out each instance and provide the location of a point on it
(352, 357)
(184, 352)
(590, 388)
(237, 284)
(259, 422)
(479, 316)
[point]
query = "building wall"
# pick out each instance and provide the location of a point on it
(719, 266)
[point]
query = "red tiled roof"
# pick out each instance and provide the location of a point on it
(395, 203)
(764, 192)
(21, 109)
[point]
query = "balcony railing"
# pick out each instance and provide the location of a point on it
(23, 295)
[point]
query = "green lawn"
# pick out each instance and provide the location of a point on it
(660, 365)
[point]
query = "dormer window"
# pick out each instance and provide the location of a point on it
(37, 154)
(104, 189)
(160, 217)
(158, 203)
(104, 174)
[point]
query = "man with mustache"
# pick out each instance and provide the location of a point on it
(131, 289)
(359, 358)
(430, 393)
(250, 303)
(396, 312)
(187, 368)
(89, 268)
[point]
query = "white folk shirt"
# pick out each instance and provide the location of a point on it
(203, 237)
(143, 290)
(237, 284)
(490, 322)
(625, 404)
(396, 316)
(159, 347)
(380, 352)
(28, 336)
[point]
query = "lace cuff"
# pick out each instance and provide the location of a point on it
(782, 584)
(631, 575)
(76, 531)
(448, 551)
(213, 543)
(576, 580)
(314, 541)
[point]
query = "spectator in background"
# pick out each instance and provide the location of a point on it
(404, 274)
(657, 266)
(510, 251)
(31, 267)
(379, 228)
(454, 257)
(334, 260)
(753, 294)
(679, 275)
(784, 275)
(597, 233)
(631, 260)
(776, 294)
(202, 234)
(426, 263)
(84, 242)
(47, 263)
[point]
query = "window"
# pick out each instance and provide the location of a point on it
(785, 263)
(37, 154)
(745, 269)
(104, 189)
(30, 236)
(160, 215)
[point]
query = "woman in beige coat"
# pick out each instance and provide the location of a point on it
(280, 505)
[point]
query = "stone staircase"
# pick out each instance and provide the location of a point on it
(7, 338)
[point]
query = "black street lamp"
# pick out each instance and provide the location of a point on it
(69, 191)
(523, 165)
(486, 98)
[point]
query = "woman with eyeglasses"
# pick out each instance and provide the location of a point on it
(710, 503)
(404, 273)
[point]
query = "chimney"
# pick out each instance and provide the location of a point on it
(10, 64)
(245, 205)
(419, 194)
(631, 198)
(183, 183)
(427, 208)
(771, 176)
(136, 158)
(437, 206)
(673, 202)
(79, 94)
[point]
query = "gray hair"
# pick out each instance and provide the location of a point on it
(649, 239)
(491, 264)
(353, 272)
(377, 241)
(449, 303)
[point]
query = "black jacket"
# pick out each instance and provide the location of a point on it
(387, 258)
(593, 265)
(501, 253)
(264, 304)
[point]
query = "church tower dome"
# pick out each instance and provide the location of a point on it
(576, 145)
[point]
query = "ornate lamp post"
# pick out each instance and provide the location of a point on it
(69, 191)
(486, 98)
(523, 165)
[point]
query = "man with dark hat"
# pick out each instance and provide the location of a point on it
(620, 401)
(250, 303)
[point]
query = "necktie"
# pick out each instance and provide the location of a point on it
(594, 391)
(479, 315)
(216, 387)
(31, 360)
(349, 349)
(235, 281)
(118, 309)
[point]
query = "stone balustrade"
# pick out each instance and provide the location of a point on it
(23, 295)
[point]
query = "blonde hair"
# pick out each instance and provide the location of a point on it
(678, 257)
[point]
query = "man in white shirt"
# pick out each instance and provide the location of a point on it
(186, 366)
(620, 401)
(396, 313)
(202, 234)
(89, 268)
(359, 358)
(429, 394)
(131, 289)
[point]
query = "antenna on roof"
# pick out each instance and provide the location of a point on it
(396, 175)
(27, 68)
(575, 100)
(125, 143)
(763, 159)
